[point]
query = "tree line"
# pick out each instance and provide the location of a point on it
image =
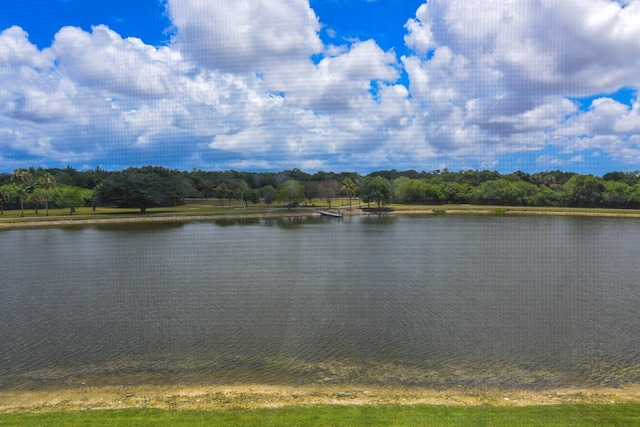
(155, 186)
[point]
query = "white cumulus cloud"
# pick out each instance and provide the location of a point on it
(250, 83)
(245, 35)
(504, 74)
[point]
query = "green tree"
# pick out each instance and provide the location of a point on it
(46, 181)
(186, 187)
(349, 189)
(241, 188)
(70, 197)
(407, 190)
(268, 193)
(617, 194)
(36, 199)
(630, 178)
(7, 194)
(329, 190)
(139, 188)
(291, 192)
(505, 192)
(490, 192)
(312, 191)
(583, 191)
(544, 196)
(378, 190)
(206, 187)
(252, 195)
(438, 192)
(222, 193)
(634, 196)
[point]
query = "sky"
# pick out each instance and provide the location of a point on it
(321, 85)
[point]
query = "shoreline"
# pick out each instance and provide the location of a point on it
(146, 218)
(6, 224)
(260, 396)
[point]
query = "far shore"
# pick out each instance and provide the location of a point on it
(110, 218)
(142, 218)
(256, 396)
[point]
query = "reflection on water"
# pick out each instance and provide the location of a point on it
(140, 227)
(439, 300)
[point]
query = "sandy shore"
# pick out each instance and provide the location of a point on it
(185, 397)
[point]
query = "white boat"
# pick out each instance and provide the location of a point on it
(337, 214)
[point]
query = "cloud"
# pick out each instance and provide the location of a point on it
(502, 73)
(571, 46)
(338, 82)
(250, 84)
(105, 60)
(17, 51)
(245, 35)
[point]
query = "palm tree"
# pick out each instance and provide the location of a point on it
(23, 178)
(349, 188)
(241, 188)
(47, 182)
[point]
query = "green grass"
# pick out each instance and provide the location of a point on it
(332, 415)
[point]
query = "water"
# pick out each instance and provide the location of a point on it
(434, 300)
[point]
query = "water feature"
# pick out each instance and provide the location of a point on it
(428, 300)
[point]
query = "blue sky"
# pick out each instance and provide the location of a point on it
(341, 85)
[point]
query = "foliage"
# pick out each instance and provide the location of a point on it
(241, 188)
(312, 190)
(549, 188)
(8, 192)
(329, 190)
(584, 191)
(37, 199)
(69, 197)
(409, 190)
(223, 193)
(504, 192)
(376, 189)
(349, 189)
(291, 192)
(140, 188)
(22, 178)
(252, 195)
(268, 193)
(46, 182)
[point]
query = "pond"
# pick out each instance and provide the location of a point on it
(416, 300)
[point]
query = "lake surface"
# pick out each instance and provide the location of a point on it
(426, 300)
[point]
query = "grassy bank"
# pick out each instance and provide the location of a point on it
(325, 415)
(212, 209)
(266, 405)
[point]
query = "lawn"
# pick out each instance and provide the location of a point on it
(354, 415)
